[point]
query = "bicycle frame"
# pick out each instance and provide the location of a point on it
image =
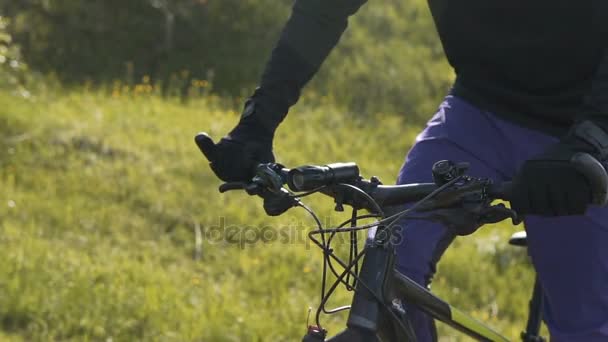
(376, 313)
(442, 311)
(383, 281)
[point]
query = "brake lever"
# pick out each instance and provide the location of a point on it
(466, 209)
(497, 213)
(276, 203)
(268, 184)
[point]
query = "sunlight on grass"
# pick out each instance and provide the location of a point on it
(102, 197)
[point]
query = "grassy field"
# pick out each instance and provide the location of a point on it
(102, 198)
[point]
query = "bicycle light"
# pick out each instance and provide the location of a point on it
(310, 177)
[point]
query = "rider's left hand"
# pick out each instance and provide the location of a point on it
(550, 184)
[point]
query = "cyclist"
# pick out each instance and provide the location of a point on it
(531, 91)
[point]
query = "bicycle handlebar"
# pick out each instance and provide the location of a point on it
(271, 177)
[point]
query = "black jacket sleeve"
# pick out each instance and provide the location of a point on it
(596, 102)
(598, 99)
(313, 29)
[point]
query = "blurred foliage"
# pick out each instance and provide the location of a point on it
(389, 60)
(104, 40)
(13, 72)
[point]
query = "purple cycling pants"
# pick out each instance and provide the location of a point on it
(570, 254)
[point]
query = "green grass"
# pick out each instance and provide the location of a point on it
(101, 198)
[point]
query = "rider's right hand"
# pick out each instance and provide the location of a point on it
(235, 160)
(234, 157)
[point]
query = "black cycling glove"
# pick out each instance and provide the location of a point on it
(234, 157)
(551, 184)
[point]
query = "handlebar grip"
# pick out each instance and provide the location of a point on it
(501, 191)
(586, 164)
(206, 145)
(232, 186)
(595, 173)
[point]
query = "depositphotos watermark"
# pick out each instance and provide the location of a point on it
(293, 232)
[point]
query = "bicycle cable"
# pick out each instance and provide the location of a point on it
(353, 256)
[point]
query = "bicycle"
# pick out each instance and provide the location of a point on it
(460, 202)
